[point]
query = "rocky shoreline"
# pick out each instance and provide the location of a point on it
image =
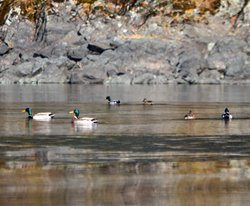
(80, 50)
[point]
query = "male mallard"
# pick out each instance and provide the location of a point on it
(226, 115)
(189, 115)
(39, 116)
(147, 102)
(112, 102)
(87, 121)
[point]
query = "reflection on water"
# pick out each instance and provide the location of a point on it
(136, 155)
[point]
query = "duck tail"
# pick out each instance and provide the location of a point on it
(52, 115)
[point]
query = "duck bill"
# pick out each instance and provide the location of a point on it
(23, 110)
(71, 112)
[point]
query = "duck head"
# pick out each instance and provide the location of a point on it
(28, 110)
(76, 112)
(108, 98)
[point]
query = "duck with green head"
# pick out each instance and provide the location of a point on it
(43, 116)
(88, 121)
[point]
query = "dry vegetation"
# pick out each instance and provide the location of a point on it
(189, 10)
(27, 8)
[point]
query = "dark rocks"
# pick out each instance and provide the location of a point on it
(104, 50)
(95, 49)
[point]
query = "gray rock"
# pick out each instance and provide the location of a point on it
(20, 35)
(236, 66)
(247, 13)
(217, 61)
(230, 7)
(83, 78)
(146, 78)
(77, 53)
(3, 48)
(119, 79)
(210, 77)
(52, 74)
(23, 69)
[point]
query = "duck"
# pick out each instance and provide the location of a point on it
(189, 115)
(42, 116)
(147, 102)
(112, 102)
(84, 121)
(226, 115)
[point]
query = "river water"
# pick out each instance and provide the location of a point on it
(136, 155)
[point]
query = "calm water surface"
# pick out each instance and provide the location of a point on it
(136, 155)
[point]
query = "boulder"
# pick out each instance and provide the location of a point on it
(77, 53)
(4, 48)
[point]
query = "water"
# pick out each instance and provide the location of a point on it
(136, 155)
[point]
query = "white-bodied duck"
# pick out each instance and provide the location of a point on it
(42, 116)
(112, 102)
(84, 121)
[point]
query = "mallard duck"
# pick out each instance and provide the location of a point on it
(226, 115)
(43, 116)
(189, 115)
(147, 102)
(112, 102)
(85, 121)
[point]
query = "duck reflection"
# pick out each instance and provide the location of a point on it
(226, 122)
(40, 127)
(83, 129)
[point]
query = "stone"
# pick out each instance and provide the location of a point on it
(77, 54)
(4, 49)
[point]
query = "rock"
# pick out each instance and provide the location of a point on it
(23, 69)
(77, 54)
(231, 7)
(51, 74)
(145, 78)
(95, 49)
(59, 30)
(236, 66)
(216, 61)
(20, 34)
(148, 78)
(228, 57)
(3, 48)
(210, 77)
(247, 13)
(119, 79)
(83, 78)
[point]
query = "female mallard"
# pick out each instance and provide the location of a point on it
(147, 102)
(226, 115)
(88, 121)
(189, 115)
(112, 102)
(39, 116)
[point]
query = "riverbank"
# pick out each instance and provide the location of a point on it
(101, 49)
